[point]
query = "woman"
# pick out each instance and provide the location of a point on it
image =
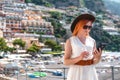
(80, 50)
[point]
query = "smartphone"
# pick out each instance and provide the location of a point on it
(101, 46)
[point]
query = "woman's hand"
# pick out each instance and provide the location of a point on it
(97, 55)
(84, 54)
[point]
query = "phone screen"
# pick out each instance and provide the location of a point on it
(101, 46)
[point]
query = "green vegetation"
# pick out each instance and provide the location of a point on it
(28, 1)
(82, 3)
(32, 50)
(54, 53)
(115, 43)
(2, 44)
(40, 2)
(102, 36)
(4, 47)
(53, 45)
(59, 31)
(56, 14)
(47, 4)
(97, 32)
(19, 42)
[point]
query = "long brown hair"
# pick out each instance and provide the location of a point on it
(79, 26)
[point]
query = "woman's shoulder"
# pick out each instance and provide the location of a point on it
(72, 37)
(92, 39)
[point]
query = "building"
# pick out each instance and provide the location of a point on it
(1, 34)
(13, 24)
(12, 1)
(111, 30)
(28, 38)
(42, 27)
(2, 21)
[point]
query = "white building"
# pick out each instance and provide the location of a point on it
(1, 33)
(2, 23)
(111, 30)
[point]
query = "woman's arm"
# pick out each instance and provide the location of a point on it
(68, 52)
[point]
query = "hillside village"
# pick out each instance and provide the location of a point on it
(31, 22)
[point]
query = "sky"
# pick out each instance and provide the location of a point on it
(116, 0)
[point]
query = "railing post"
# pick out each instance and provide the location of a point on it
(40, 73)
(17, 72)
(26, 68)
(112, 69)
(26, 74)
(17, 76)
(64, 73)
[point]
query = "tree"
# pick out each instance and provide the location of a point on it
(3, 45)
(19, 42)
(53, 45)
(59, 31)
(32, 50)
(28, 1)
(47, 4)
(102, 36)
(11, 49)
(56, 15)
(39, 2)
(118, 26)
(50, 43)
(58, 48)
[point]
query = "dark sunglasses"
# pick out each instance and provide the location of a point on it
(87, 27)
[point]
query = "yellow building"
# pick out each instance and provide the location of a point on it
(1, 33)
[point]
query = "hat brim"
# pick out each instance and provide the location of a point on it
(82, 17)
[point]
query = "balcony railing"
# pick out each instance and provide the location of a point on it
(104, 73)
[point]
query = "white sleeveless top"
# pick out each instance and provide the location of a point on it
(77, 72)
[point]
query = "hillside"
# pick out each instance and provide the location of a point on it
(95, 5)
(113, 6)
(65, 3)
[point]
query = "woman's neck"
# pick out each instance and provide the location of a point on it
(82, 38)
